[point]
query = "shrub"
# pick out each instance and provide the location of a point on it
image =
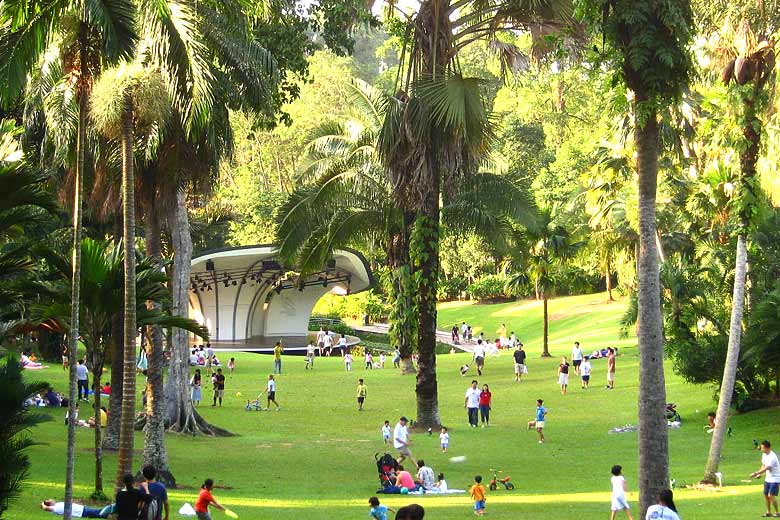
(490, 287)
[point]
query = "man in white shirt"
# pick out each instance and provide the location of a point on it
(479, 356)
(464, 328)
(209, 355)
(576, 357)
(472, 403)
(82, 378)
(401, 441)
(327, 343)
(771, 466)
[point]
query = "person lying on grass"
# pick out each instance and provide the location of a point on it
(77, 510)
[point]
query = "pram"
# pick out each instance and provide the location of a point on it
(254, 406)
(386, 465)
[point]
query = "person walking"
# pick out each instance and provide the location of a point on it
(664, 509)
(563, 375)
(206, 499)
(396, 358)
(485, 403)
(472, 403)
(585, 369)
(310, 351)
(455, 334)
(278, 350)
(538, 422)
(519, 355)
(401, 441)
(479, 356)
(464, 328)
(771, 467)
(219, 386)
(362, 391)
(270, 391)
(610, 369)
(82, 379)
(619, 488)
(576, 357)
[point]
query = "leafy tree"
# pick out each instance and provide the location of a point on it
(648, 51)
(15, 420)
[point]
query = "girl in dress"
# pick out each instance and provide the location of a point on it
(197, 395)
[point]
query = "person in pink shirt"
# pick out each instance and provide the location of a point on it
(404, 479)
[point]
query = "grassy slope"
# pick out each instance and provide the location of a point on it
(315, 457)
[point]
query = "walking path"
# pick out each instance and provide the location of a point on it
(441, 336)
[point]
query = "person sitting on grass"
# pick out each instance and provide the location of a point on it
(77, 510)
(425, 475)
(441, 483)
(128, 500)
(403, 479)
(103, 418)
(710, 426)
(378, 511)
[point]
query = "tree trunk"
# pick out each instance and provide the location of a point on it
(97, 369)
(127, 422)
(546, 327)
(608, 274)
(403, 315)
(155, 453)
(73, 338)
(653, 435)
(425, 258)
(748, 160)
(180, 415)
(111, 435)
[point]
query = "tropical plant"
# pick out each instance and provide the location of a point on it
(102, 286)
(15, 420)
(648, 50)
(91, 32)
(748, 51)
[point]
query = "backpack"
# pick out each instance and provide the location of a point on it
(149, 508)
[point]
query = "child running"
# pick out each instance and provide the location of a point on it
(444, 439)
(386, 432)
(619, 489)
(378, 511)
(348, 362)
(538, 423)
(361, 394)
(205, 498)
(270, 391)
(232, 365)
(477, 492)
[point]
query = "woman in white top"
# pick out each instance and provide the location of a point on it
(664, 509)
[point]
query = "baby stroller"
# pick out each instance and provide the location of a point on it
(254, 406)
(386, 465)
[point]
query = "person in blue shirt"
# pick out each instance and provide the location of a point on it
(538, 423)
(378, 511)
(157, 490)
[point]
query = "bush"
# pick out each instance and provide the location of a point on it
(450, 289)
(490, 287)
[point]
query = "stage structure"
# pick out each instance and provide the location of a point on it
(246, 298)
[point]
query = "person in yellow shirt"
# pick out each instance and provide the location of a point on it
(477, 492)
(103, 418)
(361, 394)
(278, 350)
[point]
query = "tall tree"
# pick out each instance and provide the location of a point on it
(750, 63)
(103, 32)
(648, 42)
(436, 133)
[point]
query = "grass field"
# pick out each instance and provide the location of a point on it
(315, 458)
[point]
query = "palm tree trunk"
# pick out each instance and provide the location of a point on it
(127, 423)
(546, 326)
(425, 256)
(748, 160)
(730, 368)
(180, 415)
(73, 338)
(653, 438)
(155, 453)
(111, 437)
(403, 316)
(608, 274)
(97, 369)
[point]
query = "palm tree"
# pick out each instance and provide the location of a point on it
(15, 420)
(126, 101)
(103, 32)
(102, 286)
(550, 244)
(637, 32)
(751, 66)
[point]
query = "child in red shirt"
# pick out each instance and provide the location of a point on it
(204, 499)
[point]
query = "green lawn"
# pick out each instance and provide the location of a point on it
(314, 458)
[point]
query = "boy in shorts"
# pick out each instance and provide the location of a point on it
(585, 369)
(538, 423)
(477, 492)
(444, 438)
(386, 432)
(270, 391)
(361, 394)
